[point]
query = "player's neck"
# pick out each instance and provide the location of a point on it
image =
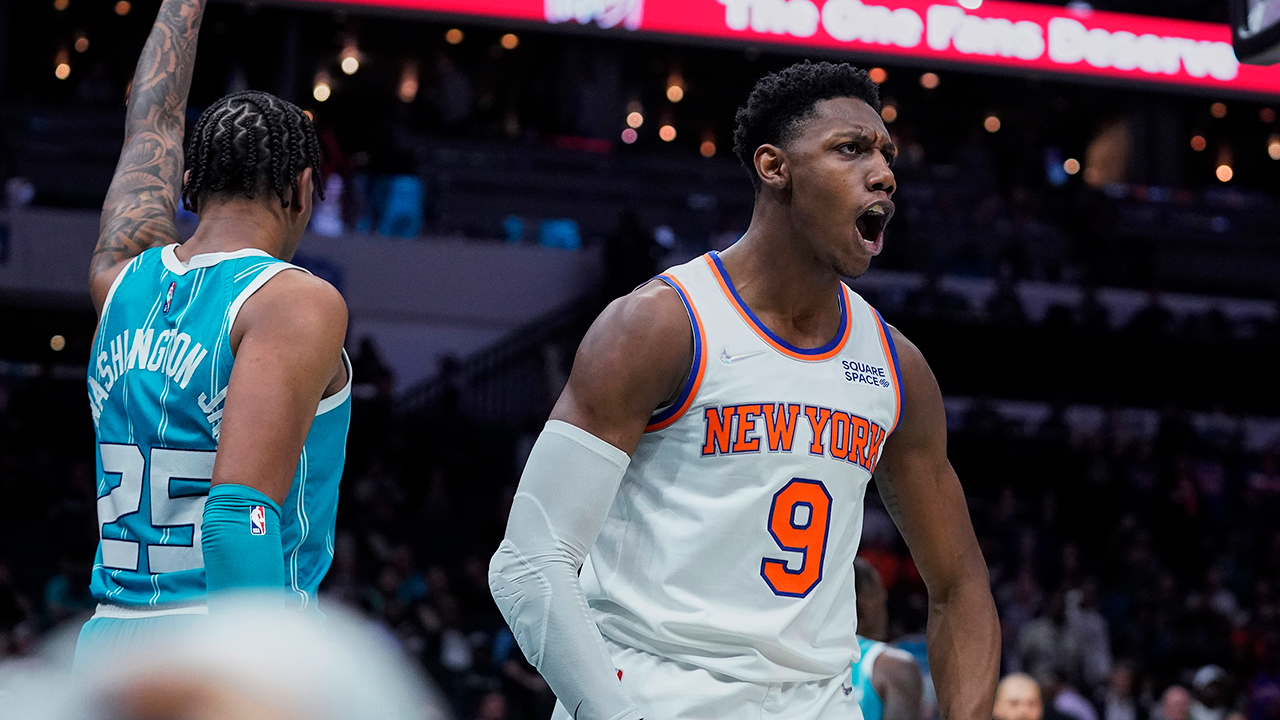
(774, 274)
(231, 226)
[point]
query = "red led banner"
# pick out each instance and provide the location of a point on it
(1020, 36)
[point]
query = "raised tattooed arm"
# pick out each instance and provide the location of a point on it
(139, 208)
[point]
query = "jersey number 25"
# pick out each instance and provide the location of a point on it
(179, 485)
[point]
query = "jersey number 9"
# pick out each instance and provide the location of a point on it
(798, 521)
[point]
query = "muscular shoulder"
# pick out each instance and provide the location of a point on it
(650, 321)
(293, 303)
(632, 360)
(911, 363)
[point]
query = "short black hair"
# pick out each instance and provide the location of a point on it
(248, 143)
(781, 101)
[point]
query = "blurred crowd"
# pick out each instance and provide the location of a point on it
(1138, 578)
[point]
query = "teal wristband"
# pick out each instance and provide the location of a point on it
(240, 536)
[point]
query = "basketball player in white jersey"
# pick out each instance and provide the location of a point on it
(713, 446)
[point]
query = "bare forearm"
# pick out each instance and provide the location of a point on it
(901, 708)
(147, 180)
(964, 650)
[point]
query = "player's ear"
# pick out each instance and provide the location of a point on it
(771, 167)
(306, 189)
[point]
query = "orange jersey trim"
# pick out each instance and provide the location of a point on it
(826, 352)
(664, 418)
(891, 356)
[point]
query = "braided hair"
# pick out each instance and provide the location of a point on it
(248, 143)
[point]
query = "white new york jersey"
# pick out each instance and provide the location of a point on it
(731, 541)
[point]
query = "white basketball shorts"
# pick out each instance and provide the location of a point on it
(666, 689)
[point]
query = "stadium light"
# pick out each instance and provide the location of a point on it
(1267, 115)
(667, 133)
(878, 75)
(1218, 110)
(1224, 171)
(510, 41)
(675, 86)
(82, 42)
(930, 81)
(322, 89)
(350, 57)
(1273, 147)
(707, 148)
(634, 119)
(991, 124)
(62, 65)
(123, 7)
(629, 135)
(1071, 166)
(61, 5)
(1198, 143)
(453, 37)
(889, 112)
(408, 82)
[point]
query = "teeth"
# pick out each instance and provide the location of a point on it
(875, 210)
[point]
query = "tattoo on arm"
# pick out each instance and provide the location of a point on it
(140, 204)
(888, 495)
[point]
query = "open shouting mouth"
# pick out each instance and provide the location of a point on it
(871, 223)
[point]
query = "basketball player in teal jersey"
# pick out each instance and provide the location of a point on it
(218, 384)
(886, 680)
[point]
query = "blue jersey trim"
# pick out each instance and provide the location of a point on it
(897, 366)
(841, 333)
(669, 414)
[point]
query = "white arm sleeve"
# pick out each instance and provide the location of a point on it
(564, 495)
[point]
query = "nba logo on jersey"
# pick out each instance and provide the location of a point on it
(168, 297)
(258, 520)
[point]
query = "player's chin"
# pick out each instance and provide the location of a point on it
(854, 261)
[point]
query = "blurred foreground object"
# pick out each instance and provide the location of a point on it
(256, 662)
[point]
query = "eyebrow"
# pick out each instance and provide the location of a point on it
(863, 134)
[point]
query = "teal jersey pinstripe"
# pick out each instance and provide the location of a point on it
(157, 379)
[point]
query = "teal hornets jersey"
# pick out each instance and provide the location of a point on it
(157, 381)
(863, 691)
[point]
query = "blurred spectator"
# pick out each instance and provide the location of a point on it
(628, 256)
(1018, 698)
(1088, 631)
(1210, 686)
(1175, 704)
(1119, 702)
(451, 94)
(1264, 688)
(1068, 702)
(493, 706)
